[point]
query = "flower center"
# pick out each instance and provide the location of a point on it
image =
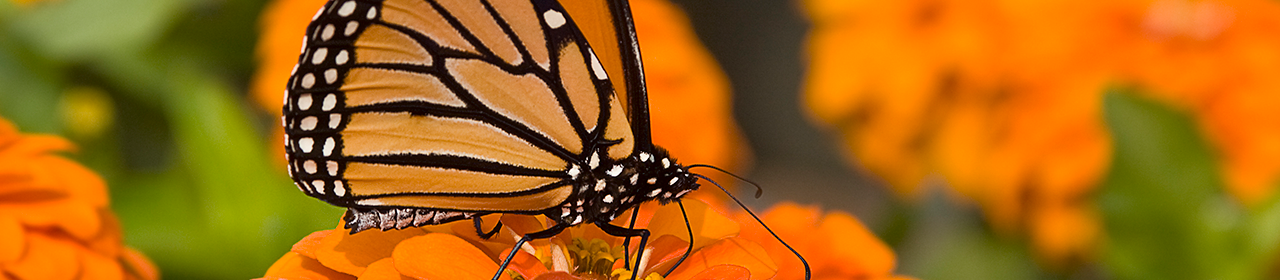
(592, 259)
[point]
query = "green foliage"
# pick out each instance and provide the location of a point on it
(187, 161)
(1166, 214)
(197, 190)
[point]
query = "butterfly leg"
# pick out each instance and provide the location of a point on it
(628, 232)
(480, 231)
(544, 234)
(626, 243)
(688, 250)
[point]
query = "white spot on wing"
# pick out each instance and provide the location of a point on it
(554, 19)
(309, 123)
(319, 56)
(332, 166)
(351, 28)
(373, 12)
(342, 57)
(330, 76)
(308, 80)
(596, 67)
(328, 146)
(334, 120)
(304, 101)
(654, 193)
(309, 166)
(338, 190)
(318, 185)
(615, 171)
(330, 101)
(574, 171)
(347, 8)
(608, 198)
(306, 144)
(327, 33)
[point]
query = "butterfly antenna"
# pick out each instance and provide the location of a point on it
(766, 227)
(759, 190)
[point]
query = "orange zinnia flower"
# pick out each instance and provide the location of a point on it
(453, 251)
(54, 217)
(1002, 99)
(683, 79)
(836, 245)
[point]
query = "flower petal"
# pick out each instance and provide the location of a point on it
(47, 258)
(856, 249)
(733, 250)
(557, 275)
(97, 267)
(723, 272)
(502, 240)
(796, 225)
(442, 256)
(308, 246)
(384, 269)
(138, 265)
(708, 224)
(12, 239)
(352, 253)
(526, 265)
(295, 266)
(664, 252)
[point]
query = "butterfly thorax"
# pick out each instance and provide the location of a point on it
(605, 188)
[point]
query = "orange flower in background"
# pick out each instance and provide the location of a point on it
(453, 251)
(1002, 99)
(283, 23)
(683, 80)
(836, 245)
(1218, 60)
(54, 217)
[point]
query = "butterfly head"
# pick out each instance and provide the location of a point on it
(667, 180)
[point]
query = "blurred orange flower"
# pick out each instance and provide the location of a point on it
(54, 217)
(26, 3)
(582, 252)
(836, 245)
(683, 79)
(1002, 99)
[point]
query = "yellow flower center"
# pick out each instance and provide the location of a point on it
(589, 259)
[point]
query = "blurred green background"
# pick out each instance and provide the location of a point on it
(163, 84)
(155, 94)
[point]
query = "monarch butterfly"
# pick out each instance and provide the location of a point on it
(422, 112)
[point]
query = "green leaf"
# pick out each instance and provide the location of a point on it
(948, 241)
(224, 211)
(31, 90)
(1166, 215)
(78, 29)
(245, 201)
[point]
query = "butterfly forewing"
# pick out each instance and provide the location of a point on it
(453, 105)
